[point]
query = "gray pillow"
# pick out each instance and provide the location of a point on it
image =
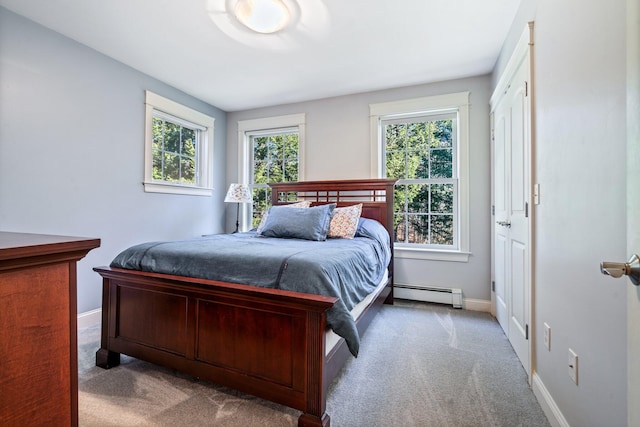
(299, 223)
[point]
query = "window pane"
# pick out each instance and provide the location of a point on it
(259, 147)
(442, 134)
(275, 171)
(275, 148)
(441, 163)
(188, 171)
(395, 136)
(418, 229)
(188, 142)
(441, 198)
(260, 172)
(157, 128)
(417, 164)
(395, 164)
(417, 136)
(399, 198)
(291, 146)
(442, 230)
(291, 170)
(261, 199)
(418, 198)
(174, 152)
(171, 167)
(171, 137)
(399, 227)
(157, 165)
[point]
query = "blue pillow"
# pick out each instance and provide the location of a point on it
(299, 223)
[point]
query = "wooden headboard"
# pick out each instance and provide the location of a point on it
(376, 196)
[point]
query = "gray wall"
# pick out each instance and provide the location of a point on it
(579, 90)
(338, 146)
(72, 150)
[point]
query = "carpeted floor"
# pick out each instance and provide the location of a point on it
(420, 364)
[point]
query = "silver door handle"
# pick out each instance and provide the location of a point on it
(619, 269)
(504, 223)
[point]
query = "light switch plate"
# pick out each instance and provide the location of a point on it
(573, 366)
(547, 336)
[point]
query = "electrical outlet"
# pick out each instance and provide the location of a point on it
(573, 366)
(547, 336)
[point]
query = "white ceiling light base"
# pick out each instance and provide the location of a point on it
(297, 22)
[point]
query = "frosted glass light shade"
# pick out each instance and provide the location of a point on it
(262, 16)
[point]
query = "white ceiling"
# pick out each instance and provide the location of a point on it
(335, 47)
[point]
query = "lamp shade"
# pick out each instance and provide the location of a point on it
(238, 193)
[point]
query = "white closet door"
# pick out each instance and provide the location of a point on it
(512, 193)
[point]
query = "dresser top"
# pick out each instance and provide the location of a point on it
(21, 245)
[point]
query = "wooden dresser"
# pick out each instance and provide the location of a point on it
(38, 335)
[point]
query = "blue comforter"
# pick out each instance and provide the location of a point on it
(348, 269)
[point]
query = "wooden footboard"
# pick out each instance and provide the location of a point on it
(264, 342)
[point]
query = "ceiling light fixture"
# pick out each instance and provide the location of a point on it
(262, 16)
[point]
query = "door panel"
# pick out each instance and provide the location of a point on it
(519, 230)
(517, 142)
(512, 228)
(500, 214)
(518, 281)
(500, 281)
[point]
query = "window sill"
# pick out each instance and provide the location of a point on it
(431, 254)
(155, 187)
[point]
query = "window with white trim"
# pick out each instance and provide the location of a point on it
(424, 143)
(178, 148)
(274, 159)
(271, 150)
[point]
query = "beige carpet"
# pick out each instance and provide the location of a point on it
(419, 365)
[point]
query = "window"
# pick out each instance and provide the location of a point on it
(271, 150)
(274, 159)
(178, 148)
(423, 143)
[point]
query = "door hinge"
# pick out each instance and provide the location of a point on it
(493, 285)
(526, 209)
(493, 209)
(526, 88)
(526, 332)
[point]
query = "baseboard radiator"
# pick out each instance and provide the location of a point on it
(451, 296)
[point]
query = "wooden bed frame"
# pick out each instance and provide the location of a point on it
(265, 342)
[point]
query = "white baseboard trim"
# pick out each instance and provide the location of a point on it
(549, 407)
(477, 305)
(89, 318)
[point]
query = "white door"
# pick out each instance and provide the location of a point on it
(511, 191)
(501, 128)
(633, 206)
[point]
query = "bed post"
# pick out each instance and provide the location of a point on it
(104, 357)
(389, 185)
(315, 414)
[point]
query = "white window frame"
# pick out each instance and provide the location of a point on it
(156, 104)
(429, 105)
(247, 128)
